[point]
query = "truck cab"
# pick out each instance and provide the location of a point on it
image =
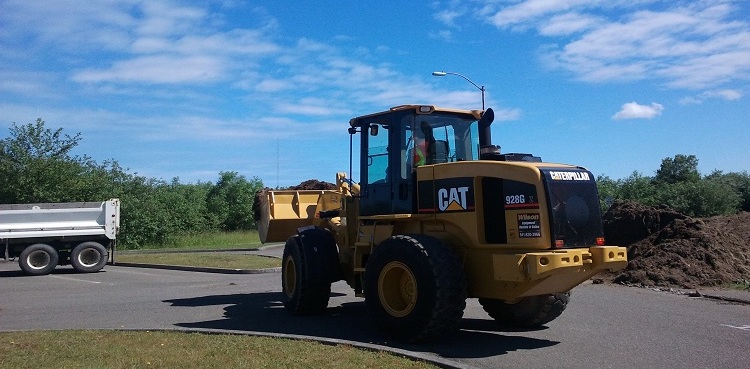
(403, 138)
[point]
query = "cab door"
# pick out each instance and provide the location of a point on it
(375, 167)
(387, 173)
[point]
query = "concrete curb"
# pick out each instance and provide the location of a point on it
(202, 269)
(738, 297)
(722, 294)
(186, 251)
(198, 269)
(416, 356)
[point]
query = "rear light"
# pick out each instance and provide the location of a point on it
(600, 241)
(559, 244)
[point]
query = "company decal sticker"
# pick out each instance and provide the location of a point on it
(453, 198)
(529, 225)
(450, 195)
(521, 201)
(569, 176)
(519, 195)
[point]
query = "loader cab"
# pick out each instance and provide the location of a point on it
(393, 143)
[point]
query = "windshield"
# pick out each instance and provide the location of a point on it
(446, 137)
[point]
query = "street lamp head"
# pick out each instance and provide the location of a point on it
(443, 74)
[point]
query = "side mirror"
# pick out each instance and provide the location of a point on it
(374, 130)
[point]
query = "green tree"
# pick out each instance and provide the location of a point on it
(230, 201)
(738, 182)
(681, 168)
(608, 190)
(704, 198)
(36, 165)
(155, 212)
(638, 187)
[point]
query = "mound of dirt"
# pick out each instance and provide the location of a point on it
(313, 184)
(666, 248)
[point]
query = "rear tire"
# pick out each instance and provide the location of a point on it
(88, 257)
(530, 312)
(38, 259)
(309, 266)
(415, 288)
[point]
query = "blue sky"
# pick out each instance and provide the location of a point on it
(266, 88)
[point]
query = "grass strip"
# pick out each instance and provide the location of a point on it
(211, 240)
(159, 349)
(202, 259)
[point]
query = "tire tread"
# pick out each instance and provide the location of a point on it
(532, 312)
(450, 289)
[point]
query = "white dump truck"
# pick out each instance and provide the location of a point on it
(43, 236)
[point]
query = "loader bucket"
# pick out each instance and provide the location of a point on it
(281, 213)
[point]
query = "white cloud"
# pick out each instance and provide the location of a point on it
(274, 85)
(692, 45)
(691, 100)
(162, 18)
(157, 69)
(725, 94)
(527, 10)
(568, 23)
(68, 24)
(31, 84)
(502, 115)
(138, 42)
(445, 35)
(729, 95)
(448, 17)
(309, 106)
(633, 110)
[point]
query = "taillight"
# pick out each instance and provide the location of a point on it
(559, 244)
(600, 241)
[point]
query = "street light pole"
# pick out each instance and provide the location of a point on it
(443, 74)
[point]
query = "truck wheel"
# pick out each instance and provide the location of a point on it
(88, 257)
(309, 266)
(415, 288)
(530, 312)
(38, 259)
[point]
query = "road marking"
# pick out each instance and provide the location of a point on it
(74, 279)
(743, 327)
(131, 271)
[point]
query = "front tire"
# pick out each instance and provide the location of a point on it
(530, 312)
(309, 266)
(88, 257)
(38, 259)
(415, 289)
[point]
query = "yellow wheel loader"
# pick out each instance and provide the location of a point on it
(440, 215)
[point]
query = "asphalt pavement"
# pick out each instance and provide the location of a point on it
(605, 326)
(277, 250)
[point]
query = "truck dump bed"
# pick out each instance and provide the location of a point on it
(22, 221)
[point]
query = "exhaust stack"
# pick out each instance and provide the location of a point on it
(487, 150)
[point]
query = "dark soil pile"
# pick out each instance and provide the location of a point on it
(666, 248)
(313, 184)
